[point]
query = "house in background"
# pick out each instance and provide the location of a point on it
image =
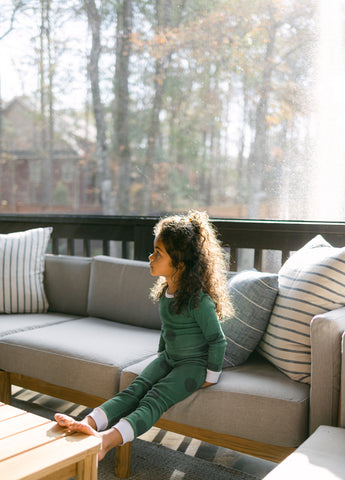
(38, 173)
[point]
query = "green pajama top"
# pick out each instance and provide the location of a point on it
(194, 334)
(192, 344)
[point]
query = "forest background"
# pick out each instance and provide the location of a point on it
(188, 103)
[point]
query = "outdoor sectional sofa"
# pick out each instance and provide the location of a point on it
(101, 329)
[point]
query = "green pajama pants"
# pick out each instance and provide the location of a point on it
(162, 383)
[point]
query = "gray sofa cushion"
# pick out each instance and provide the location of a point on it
(15, 323)
(87, 354)
(66, 283)
(253, 398)
(119, 291)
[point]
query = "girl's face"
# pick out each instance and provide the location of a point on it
(160, 261)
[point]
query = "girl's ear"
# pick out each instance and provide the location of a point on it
(181, 266)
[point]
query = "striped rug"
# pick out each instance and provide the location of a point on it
(194, 460)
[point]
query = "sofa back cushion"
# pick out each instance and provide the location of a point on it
(119, 291)
(66, 282)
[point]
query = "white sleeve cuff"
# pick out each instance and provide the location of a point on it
(100, 418)
(212, 377)
(126, 431)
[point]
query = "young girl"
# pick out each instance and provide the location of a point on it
(191, 290)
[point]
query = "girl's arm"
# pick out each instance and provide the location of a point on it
(207, 319)
(161, 345)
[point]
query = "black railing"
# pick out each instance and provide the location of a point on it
(132, 237)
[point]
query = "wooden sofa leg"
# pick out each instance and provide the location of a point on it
(5, 387)
(123, 456)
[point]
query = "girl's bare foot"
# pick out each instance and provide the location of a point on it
(110, 438)
(63, 420)
(87, 425)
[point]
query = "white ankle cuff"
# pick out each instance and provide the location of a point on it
(126, 431)
(100, 418)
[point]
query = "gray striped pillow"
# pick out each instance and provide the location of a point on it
(21, 271)
(312, 281)
(252, 295)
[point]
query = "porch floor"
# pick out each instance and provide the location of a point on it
(47, 406)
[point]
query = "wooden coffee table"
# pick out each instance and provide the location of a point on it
(33, 448)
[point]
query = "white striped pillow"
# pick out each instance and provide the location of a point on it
(312, 281)
(21, 271)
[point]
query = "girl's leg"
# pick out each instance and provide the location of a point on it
(126, 401)
(116, 408)
(177, 385)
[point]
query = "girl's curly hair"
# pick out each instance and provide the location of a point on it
(192, 240)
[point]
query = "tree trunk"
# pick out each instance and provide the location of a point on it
(16, 8)
(240, 159)
(47, 129)
(105, 182)
(163, 15)
(121, 113)
(259, 151)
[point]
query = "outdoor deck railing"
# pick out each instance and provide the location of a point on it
(132, 237)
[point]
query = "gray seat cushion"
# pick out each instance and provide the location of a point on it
(252, 398)
(22, 322)
(87, 354)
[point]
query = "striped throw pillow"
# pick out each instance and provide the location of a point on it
(21, 271)
(252, 295)
(312, 281)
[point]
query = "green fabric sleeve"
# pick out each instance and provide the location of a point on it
(207, 319)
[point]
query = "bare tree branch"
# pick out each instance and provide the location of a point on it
(17, 7)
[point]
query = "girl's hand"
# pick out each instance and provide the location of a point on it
(207, 384)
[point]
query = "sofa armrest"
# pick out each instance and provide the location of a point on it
(342, 385)
(325, 338)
